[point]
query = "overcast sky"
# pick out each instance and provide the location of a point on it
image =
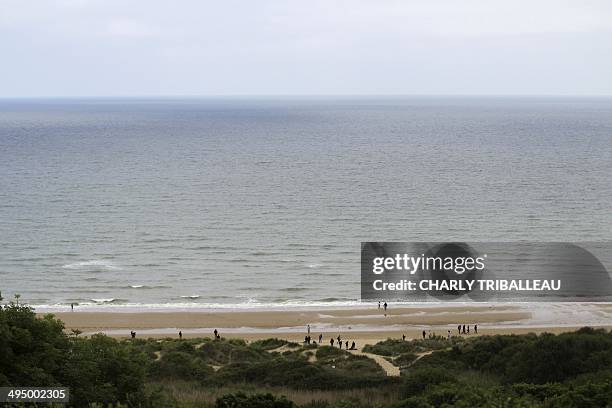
(284, 47)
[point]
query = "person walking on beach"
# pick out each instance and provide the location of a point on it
(404, 337)
(423, 334)
(385, 306)
(475, 329)
(180, 335)
(379, 304)
(331, 342)
(72, 307)
(216, 333)
(464, 329)
(346, 345)
(468, 330)
(320, 338)
(459, 329)
(308, 330)
(353, 346)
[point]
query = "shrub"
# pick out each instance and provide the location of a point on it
(268, 344)
(180, 365)
(390, 347)
(418, 381)
(32, 350)
(395, 347)
(404, 360)
(100, 369)
(328, 353)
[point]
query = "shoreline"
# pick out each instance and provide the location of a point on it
(291, 307)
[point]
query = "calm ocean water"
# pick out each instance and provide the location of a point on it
(254, 202)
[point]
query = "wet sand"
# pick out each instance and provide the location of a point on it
(274, 320)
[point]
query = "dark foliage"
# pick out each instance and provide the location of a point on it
(35, 352)
(530, 358)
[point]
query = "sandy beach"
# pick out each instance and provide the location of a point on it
(364, 325)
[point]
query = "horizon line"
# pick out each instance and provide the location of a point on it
(279, 96)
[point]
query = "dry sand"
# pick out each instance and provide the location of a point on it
(360, 325)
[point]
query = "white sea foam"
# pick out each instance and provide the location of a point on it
(249, 304)
(104, 300)
(92, 264)
(314, 265)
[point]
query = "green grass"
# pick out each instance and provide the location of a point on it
(192, 394)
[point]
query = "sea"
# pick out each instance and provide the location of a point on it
(256, 202)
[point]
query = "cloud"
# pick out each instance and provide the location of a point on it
(315, 46)
(129, 28)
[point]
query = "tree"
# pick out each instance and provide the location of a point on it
(32, 350)
(76, 332)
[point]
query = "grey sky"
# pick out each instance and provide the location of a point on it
(150, 47)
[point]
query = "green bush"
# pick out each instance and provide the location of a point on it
(529, 358)
(268, 344)
(215, 352)
(35, 351)
(417, 381)
(328, 353)
(180, 365)
(32, 351)
(100, 369)
(390, 347)
(404, 360)
(395, 347)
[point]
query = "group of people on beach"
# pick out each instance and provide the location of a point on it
(216, 334)
(332, 341)
(461, 329)
(339, 342)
